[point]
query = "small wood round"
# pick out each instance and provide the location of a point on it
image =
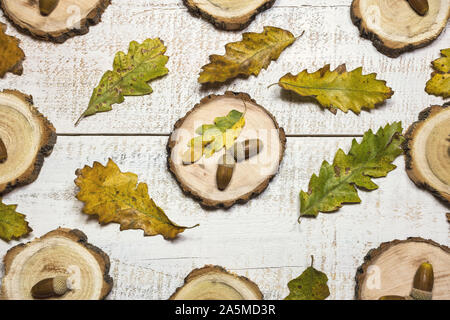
(390, 269)
(394, 27)
(70, 18)
(216, 283)
(427, 151)
(28, 137)
(228, 14)
(61, 252)
(250, 177)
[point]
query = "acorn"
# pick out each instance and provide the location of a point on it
(419, 6)
(47, 6)
(3, 152)
(423, 282)
(392, 297)
(246, 149)
(50, 287)
(225, 171)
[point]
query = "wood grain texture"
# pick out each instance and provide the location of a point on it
(260, 240)
(61, 77)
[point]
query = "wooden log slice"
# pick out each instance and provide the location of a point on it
(390, 269)
(28, 137)
(61, 252)
(394, 27)
(427, 151)
(216, 283)
(69, 18)
(228, 14)
(250, 177)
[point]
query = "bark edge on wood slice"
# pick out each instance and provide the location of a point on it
(222, 19)
(36, 136)
(403, 258)
(26, 17)
(427, 151)
(234, 287)
(20, 260)
(202, 174)
(368, 15)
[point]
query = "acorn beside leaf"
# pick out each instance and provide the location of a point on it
(225, 171)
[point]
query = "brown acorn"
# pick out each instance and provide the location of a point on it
(419, 6)
(392, 297)
(423, 282)
(225, 171)
(50, 287)
(3, 152)
(246, 149)
(47, 6)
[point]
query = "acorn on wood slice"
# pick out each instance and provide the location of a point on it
(427, 151)
(216, 283)
(54, 20)
(3, 152)
(225, 171)
(246, 149)
(423, 282)
(392, 297)
(51, 287)
(394, 27)
(228, 14)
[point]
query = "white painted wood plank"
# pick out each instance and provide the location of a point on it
(260, 239)
(61, 77)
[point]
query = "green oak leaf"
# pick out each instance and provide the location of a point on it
(336, 183)
(12, 223)
(131, 72)
(310, 285)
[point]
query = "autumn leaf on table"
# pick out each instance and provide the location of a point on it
(339, 89)
(310, 285)
(114, 196)
(247, 57)
(213, 137)
(12, 224)
(131, 72)
(336, 183)
(11, 56)
(439, 84)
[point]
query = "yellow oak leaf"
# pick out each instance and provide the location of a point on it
(115, 196)
(339, 89)
(439, 84)
(11, 56)
(247, 57)
(12, 223)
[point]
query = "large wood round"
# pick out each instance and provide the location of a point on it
(28, 137)
(394, 27)
(250, 177)
(228, 14)
(216, 283)
(70, 17)
(390, 269)
(62, 252)
(427, 151)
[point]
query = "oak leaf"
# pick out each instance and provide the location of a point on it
(247, 57)
(439, 84)
(131, 72)
(310, 285)
(336, 183)
(114, 196)
(12, 223)
(339, 89)
(213, 137)
(11, 56)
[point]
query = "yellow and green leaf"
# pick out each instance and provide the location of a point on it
(339, 89)
(11, 56)
(12, 223)
(247, 57)
(336, 183)
(439, 84)
(115, 196)
(130, 76)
